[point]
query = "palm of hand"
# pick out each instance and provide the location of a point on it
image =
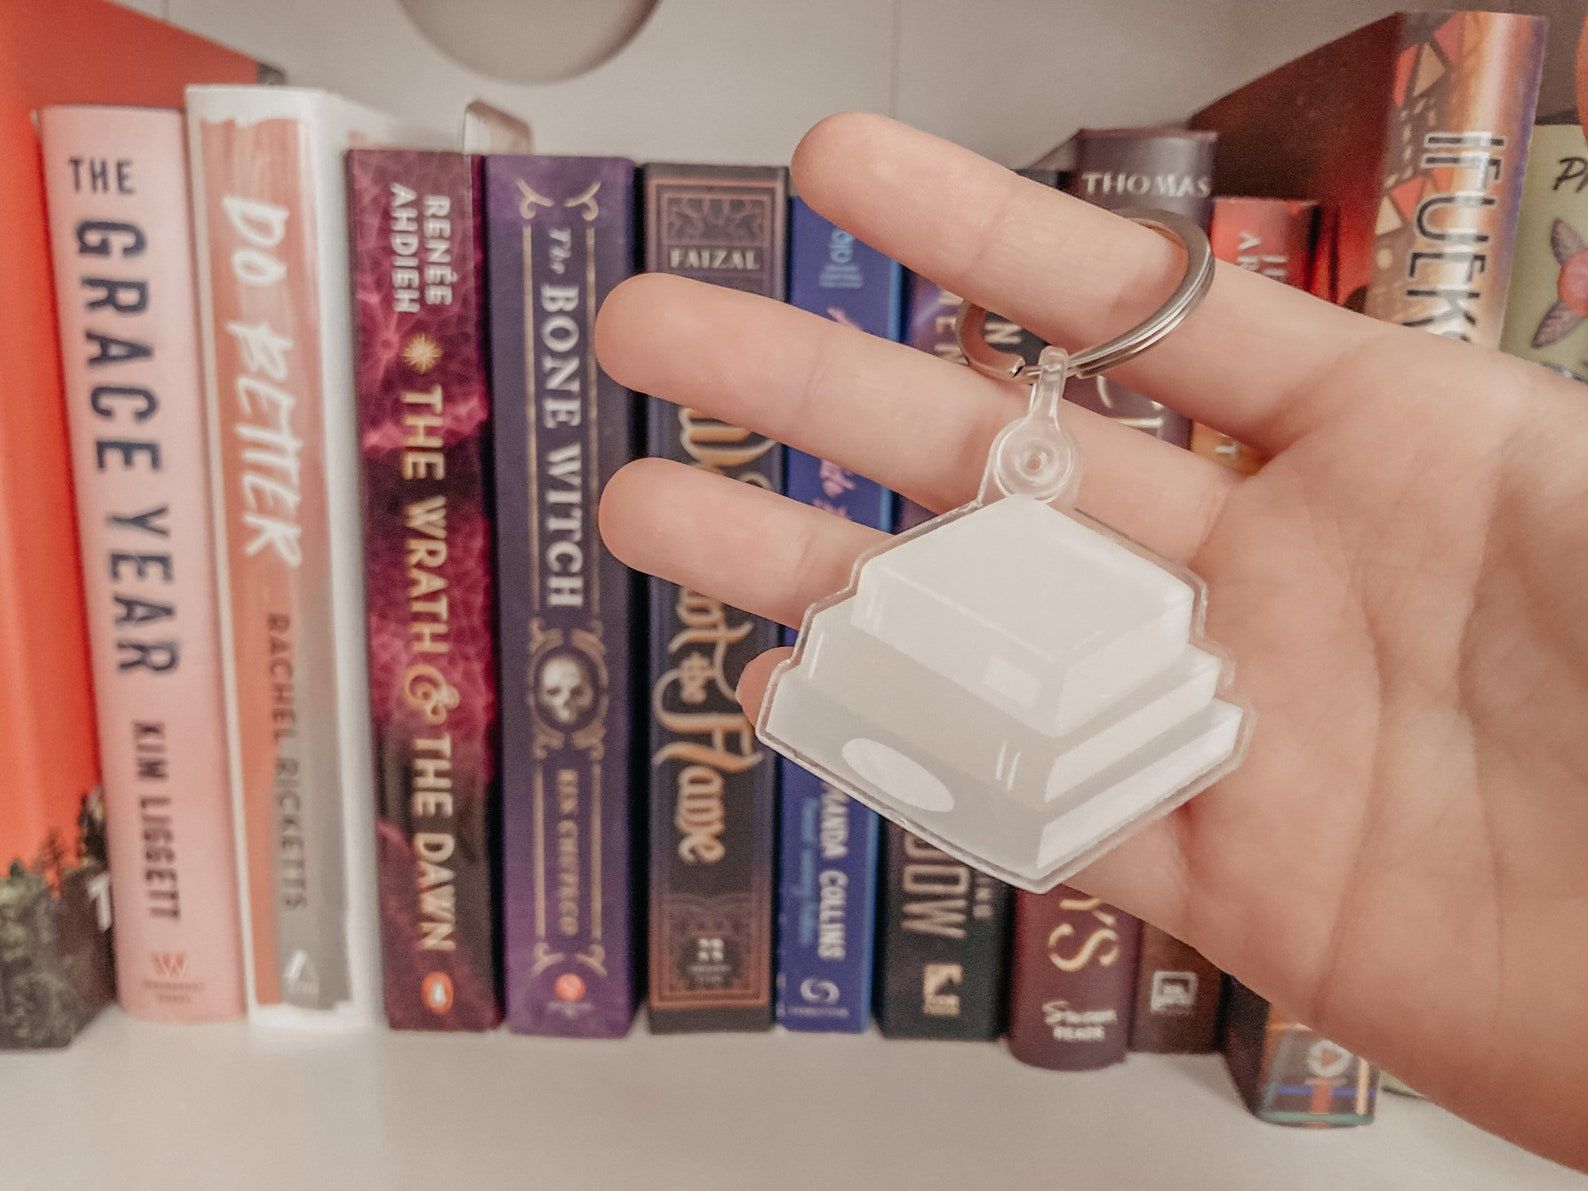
(1397, 861)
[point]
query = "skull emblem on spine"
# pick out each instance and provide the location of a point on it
(565, 692)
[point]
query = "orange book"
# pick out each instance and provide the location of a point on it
(55, 970)
(1272, 236)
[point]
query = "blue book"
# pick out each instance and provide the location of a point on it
(827, 843)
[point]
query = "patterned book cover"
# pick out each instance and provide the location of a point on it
(1169, 169)
(827, 885)
(1072, 970)
(1274, 237)
(55, 965)
(1290, 1075)
(942, 937)
(713, 788)
(561, 234)
(121, 233)
(269, 193)
(424, 411)
(1412, 134)
(1548, 301)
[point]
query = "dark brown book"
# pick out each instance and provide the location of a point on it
(713, 788)
(1074, 966)
(1168, 169)
(1177, 998)
(1411, 133)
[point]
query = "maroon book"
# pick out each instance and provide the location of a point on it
(424, 410)
(1168, 169)
(1074, 965)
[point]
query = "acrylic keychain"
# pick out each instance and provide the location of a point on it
(1015, 681)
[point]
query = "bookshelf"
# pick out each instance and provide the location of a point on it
(133, 1105)
(136, 1105)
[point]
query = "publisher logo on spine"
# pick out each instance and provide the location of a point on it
(815, 991)
(940, 989)
(1174, 994)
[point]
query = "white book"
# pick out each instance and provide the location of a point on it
(270, 217)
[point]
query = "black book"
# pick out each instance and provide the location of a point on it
(713, 792)
(941, 941)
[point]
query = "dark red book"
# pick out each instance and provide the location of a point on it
(1271, 236)
(1169, 169)
(424, 413)
(1074, 966)
(1412, 135)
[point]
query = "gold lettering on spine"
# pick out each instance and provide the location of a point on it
(1101, 943)
(422, 276)
(566, 669)
(593, 467)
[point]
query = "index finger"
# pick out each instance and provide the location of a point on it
(1247, 359)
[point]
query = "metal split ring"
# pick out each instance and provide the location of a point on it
(1193, 287)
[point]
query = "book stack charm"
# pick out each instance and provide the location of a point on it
(1015, 681)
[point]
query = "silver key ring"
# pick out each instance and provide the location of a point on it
(1193, 287)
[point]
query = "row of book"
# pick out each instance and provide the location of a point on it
(383, 725)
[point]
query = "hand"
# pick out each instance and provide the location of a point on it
(1402, 861)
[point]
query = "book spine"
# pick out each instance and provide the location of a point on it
(270, 226)
(54, 879)
(943, 927)
(1274, 237)
(1166, 170)
(927, 323)
(941, 944)
(1178, 994)
(116, 181)
(713, 789)
(1113, 169)
(424, 416)
(828, 842)
(1450, 183)
(1073, 969)
(1548, 299)
(561, 236)
(1290, 1075)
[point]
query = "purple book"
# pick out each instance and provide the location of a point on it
(423, 414)
(560, 235)
(827, 843)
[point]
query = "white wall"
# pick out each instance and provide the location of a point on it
(739, 80)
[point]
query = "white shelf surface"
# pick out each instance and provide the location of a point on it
(133, 1106)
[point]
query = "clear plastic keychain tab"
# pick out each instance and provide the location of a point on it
(1014, 681)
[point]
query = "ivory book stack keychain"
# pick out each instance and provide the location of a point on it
(1015, 681)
